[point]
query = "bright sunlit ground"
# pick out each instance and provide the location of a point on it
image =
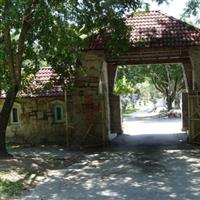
(139, 123)
(146, 122)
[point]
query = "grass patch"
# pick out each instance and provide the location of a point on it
(129, 111)
(9, 188)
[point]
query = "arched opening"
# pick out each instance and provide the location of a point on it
(150, 100)
(147, 57)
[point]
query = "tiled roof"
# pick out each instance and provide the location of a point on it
(159, 30)
(155, 29)
(43, 85)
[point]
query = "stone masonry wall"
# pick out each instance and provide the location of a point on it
(87, 107)
(194, 99)
(195, 61)
(36, 122)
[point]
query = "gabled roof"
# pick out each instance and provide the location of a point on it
(43, 85)
(155, 29)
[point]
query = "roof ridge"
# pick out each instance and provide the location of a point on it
(140, 13)
(180, 21)
(137, 13)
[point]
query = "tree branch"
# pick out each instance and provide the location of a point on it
(26, 24)
(8, 44)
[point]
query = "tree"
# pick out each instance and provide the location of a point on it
(192, 8)
(127, 78)
(166, 78)
(30, 29)
(123, 88)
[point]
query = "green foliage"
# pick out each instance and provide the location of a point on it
(58, 31)
(144, 80)
(134, 74)
(192, 8)
(166, 77)
(9, 188)
(123, 87)
(147, 90)
(129, 111)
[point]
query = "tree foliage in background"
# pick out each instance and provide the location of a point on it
(166, 78)
(125, 81)
(192, 9)
(123, 87)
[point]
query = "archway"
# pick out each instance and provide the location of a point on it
(152, 119)
(115, 111)
(155, 38)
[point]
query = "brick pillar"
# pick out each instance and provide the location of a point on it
(195, 61)
(87, 121)
(188, 76)
(185, 119)
(194, 98)
(115, 110)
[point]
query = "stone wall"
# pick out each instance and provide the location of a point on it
(115, 108)
(88, 112)
(195, 61)
(37, 124)
(194, 97)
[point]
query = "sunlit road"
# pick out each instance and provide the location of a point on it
(143, 122)
(144, 128)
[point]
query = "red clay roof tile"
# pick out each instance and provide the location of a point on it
(43, 85)
(155, 29)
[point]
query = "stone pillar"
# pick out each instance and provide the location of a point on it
(185, 119)
(88, 124)
(188, 76)
(195, 61)
(194, 97)
(115, 110)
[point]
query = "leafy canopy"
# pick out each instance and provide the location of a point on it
(167, 79)
(192, 8)
(58, 31)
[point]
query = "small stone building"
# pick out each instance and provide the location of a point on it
(38, 117)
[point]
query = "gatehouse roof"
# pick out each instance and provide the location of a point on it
(155, 29)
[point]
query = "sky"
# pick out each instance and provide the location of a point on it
(174, 8)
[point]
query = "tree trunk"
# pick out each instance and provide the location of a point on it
(169, 102)
(177, 102)
(4, 119)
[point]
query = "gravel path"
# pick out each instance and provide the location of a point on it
(139, 174)
(146, 128)
(152, 166)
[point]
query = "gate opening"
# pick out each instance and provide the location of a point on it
(151, 102)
